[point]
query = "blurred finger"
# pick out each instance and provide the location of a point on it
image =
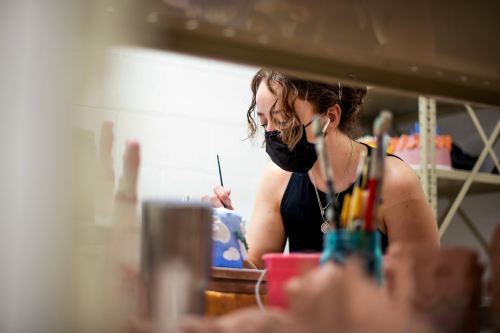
(138, 325)
(293, 286)
(197, 325)
(225, 189)
(252, 320)
(294, 290)
(354, 267)
(214, 201)
(303, 292)
(223, 195)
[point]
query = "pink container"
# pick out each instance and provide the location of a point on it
(280, 268)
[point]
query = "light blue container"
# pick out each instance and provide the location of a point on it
(227, 234)
(341, 244)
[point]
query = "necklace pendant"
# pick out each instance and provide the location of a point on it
(325, 227)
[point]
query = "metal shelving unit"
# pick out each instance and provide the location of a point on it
(454, 184)
(450, 183)
(427, 121)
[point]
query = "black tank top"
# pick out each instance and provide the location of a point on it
(302, 217)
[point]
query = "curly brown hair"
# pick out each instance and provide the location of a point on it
(321, 95)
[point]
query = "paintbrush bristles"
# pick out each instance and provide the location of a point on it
(361, 163)
(381, 126)
(382, 123)
(320, 151)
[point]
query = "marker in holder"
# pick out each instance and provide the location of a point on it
(339, 245)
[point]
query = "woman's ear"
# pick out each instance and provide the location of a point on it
(334, 112)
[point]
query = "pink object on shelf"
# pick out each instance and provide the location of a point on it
(280, 268)
(407, 148)
(412, 157)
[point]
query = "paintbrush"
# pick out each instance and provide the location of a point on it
(380, 127)
(220, 172)
(220, 178)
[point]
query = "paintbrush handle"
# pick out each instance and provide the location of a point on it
(370, 204)
(220, 172)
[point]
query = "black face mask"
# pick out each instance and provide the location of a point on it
(301, 159)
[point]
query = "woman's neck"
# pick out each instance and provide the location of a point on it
(343, 156)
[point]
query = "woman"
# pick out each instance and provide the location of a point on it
(291, 197)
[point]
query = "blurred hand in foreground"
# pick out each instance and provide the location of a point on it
(329, 299)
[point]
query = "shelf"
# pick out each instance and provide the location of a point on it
(450, 182)
(481, 177)
(404, 106)
(296, 37)
(401, 105)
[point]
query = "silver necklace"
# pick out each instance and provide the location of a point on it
(325, 226)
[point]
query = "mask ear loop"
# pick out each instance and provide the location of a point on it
(309, 123)
(257, 291)
(340, 92)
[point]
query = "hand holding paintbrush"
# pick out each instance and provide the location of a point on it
(221, 197)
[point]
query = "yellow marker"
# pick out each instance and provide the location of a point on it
(355, 204)
(355, 207)
(345, 210)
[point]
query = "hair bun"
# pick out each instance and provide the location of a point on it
(360, 94)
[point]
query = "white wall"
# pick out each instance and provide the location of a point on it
(183, 111)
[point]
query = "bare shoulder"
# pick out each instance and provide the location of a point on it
(407, 215)
(400, 181)
(274, 181)
(273, 175)
(275, 172)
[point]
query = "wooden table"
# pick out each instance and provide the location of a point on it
(231, 289)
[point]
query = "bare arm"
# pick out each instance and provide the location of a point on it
(266, 232)
(406, 214)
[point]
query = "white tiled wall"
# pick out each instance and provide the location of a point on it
(183, 111)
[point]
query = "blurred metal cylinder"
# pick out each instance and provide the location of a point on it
(176, 256)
